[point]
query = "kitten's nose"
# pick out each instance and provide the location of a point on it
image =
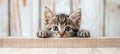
(61, 34)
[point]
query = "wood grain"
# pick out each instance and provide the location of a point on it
(62, 6)
(92, 16)
(4, 18)
(60, 50)
(24, 17)
(76, 4)
(60, 42)
(1, 42)
(112, 18)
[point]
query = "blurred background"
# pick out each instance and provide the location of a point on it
(23, 18)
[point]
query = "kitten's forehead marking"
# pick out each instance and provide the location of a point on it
(62, 18)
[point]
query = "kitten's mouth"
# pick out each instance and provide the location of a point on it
(61, 35)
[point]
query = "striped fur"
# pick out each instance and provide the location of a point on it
(62, 25)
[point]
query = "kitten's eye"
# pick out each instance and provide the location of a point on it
(68, 28)
(55, 28)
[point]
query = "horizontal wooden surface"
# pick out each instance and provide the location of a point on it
(59, 42)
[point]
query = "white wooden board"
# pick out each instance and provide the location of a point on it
(92, 17)
(112, 18)
(3, 18)
(24, 17)
(60, 50)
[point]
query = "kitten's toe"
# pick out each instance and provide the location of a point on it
(83, 33)
(42, 34)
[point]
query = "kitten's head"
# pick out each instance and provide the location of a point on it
(62, 25)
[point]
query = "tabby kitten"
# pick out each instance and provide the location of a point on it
(62, 25)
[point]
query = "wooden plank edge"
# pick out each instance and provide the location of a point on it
(59, 42)
(1, 42)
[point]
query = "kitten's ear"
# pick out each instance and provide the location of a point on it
(48, 15)
(76, 16)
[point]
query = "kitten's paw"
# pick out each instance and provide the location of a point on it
(42, 34)
(83, 33)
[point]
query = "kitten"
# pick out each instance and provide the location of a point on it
(62, 25)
